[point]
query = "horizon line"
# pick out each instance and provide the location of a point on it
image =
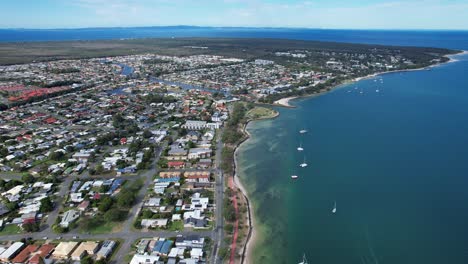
(233, 27)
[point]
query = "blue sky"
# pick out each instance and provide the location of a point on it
(363, 14)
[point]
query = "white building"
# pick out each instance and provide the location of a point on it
(144, 259)
(68, 217)
(194, 125)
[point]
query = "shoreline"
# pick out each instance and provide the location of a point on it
(252, 237)
(284, 102)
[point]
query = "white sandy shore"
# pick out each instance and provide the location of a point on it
(253, 235)
(285, 101)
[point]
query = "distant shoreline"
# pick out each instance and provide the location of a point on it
(284, 102)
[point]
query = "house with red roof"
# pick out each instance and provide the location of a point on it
(176, 164)
(23, 256)
(43, 252)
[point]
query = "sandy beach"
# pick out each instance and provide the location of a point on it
(253, 234)
(285, 101)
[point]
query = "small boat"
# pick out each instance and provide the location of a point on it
(294, 177)
(303, 164)
(334, 208)
(303, 131)
(304, 260)
(377, 90)
(300, 148)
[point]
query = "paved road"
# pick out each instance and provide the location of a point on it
(52, 216)
(219, 196)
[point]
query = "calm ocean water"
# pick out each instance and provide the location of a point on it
(395, 161)
(448, 39)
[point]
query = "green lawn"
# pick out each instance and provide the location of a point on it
(176, 225)
(104, 228)
(10, 230)
(259, 112)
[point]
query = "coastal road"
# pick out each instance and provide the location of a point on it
(218, 232)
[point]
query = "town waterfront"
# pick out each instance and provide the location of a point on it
(391, 151)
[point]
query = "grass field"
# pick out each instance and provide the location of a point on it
(260, 112)
(104, 228)
(10, 230)
(176, 225)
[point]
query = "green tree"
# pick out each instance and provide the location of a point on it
(56, 155)
(105, 204)
(99, 169)
(147, 133)
(115, 215)
(125, 198)
(3, 152)
(31, 227)
(190, 144)
(28, 178)
(46, 205)
(87, 259)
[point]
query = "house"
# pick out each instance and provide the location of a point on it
(142, 246)
(43, 252)
(194, 125)
(76, 197)
(196, 253)
(11, 251)
(193, 135)
(169, 174)
(29, 218)
(24, 254)
(81, 157)
(195, 223)
(176, 150)
(85, 248)
(197, 176)
(176, 252)
(64, 249)
(144, 259)
(204, 163)
(162, 247)
(69, 217)
(197, 153)
(83, 206)
(106, 249)
(192, 241)
(176, 164)
(153, 202)
(153, 223)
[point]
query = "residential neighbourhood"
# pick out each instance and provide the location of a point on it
(119, 159)
(56, 252)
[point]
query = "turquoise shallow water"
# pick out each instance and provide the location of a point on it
(395, 162)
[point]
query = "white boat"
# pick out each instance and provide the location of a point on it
(377, 90)
(300, 148)
(303, 131)
(294, 177)
(334, 208)
(303, 164)
(304, 260)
